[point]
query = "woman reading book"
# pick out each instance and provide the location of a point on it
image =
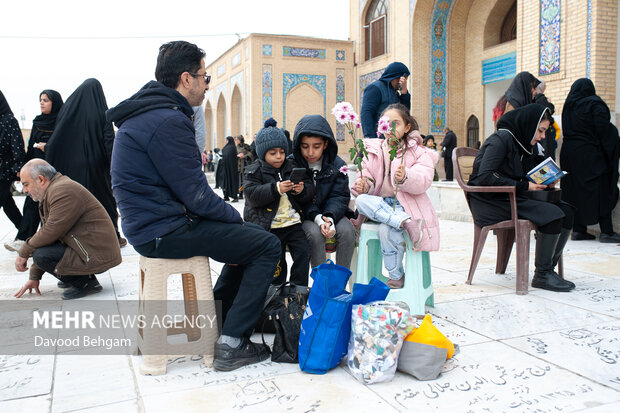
(503, 160)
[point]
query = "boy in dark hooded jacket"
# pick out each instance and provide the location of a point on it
(390, 88)
(327, 215)
(274, 202)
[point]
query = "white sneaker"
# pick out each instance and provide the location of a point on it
(14, 245)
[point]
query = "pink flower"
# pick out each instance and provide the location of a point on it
(344, 170)
(383, 128)
(358, 125)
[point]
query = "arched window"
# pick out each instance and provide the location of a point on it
(509, 26)
(375, 29)
(473, 130)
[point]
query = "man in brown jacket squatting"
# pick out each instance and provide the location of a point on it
(76, 240)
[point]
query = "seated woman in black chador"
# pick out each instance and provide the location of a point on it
(504, 159)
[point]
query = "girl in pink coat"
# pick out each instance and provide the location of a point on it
(396, 195)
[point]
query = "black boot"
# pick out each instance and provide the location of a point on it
(559, 249)
(544, 276)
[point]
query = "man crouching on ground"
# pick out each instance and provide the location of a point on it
(76, 240)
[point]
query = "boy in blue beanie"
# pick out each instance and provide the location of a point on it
(274, 202)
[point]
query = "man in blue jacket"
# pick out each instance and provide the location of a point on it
(390, 88)
(168, 210)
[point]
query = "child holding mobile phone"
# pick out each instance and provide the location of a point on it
(273, 201)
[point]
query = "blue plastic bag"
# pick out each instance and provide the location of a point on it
(326, 327)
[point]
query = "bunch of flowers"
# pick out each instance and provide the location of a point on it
(388, 129)
(345, 115)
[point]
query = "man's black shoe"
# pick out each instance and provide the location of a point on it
(91, 287)
(581, 236)
(227, 358)
(62, 284)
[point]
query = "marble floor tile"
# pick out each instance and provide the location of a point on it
(25, 376)
(457, 334)
(592, 350)
(600, 296)
(29, 404)
(189, 372)
(602, 408)
(77, 378)
(335, 391)
(492, 377)
(130, 406)
(511, 315)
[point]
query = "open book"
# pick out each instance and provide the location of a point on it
(545, 172)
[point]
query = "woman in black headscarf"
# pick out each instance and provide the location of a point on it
(503, 160)
(230, 173)
(81, 145)
(42, 128)
(11, 159)
(521, 91)
(590, 153)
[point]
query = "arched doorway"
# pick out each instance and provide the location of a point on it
(302, 100)
(236, 112)
(473, 131)
(221, 122)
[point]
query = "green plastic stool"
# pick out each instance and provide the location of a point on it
(418, 288)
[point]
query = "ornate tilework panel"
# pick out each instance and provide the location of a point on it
(266, 50)
(589, 39)
(237, 80)
(236, 59)
(301, 52)
(549, 36)
(290, 80)
(221, 69)
(340, 54)
(221, 90)
(267, 92)
(339, 98)
(439, 64)
(367, 79)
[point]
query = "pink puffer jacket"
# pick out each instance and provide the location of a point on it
(420, 168)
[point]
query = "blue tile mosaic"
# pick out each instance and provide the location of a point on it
(266, 50)
(499, 68)
(340, 98)
(439, 64)
(302, 52)
(340, 55)
(367, 79)
(267, 92)
(549, 36)
(290, 80)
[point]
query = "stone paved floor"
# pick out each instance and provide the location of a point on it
(542, 352)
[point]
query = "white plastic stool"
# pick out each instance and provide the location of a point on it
(418, 288)
(199, 305)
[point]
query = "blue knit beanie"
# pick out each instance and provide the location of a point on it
(269, 138)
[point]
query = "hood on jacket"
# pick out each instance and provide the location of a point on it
(314, 125)
(523, 123)
(393, 71)
(153, 95)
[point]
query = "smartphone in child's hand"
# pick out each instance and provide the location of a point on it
(297, 175)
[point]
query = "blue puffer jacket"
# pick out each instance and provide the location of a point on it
(331, 193)
(157, 175)
(379, 94)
